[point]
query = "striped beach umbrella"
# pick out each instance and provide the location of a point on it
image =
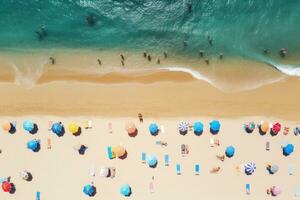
(183, 127)
(250, 168)
(297, 131)
(125, 190)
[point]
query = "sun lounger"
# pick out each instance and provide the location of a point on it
(112, 172)
(178, 169)
(211, 141)
(248, 188)
(50, 125)
(267, 146)
(166, 159)
(162, 128)
(92, 170)
(182, 148)
(14, 124)
(197, 169)
(291, 169)
(88, 124)
(49, 146)
(296, 192)
(109, 125)
(110, 153)
(4, 179)
(151, 187)
(38, 195)
(284, 143)
(143, 157)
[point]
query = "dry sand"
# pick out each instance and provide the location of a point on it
(60, 173)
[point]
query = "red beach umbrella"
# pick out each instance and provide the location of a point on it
(6, 186)
(276, 128)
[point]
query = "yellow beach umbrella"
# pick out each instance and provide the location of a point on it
(6, 126)
(119, 151)
(73, 128)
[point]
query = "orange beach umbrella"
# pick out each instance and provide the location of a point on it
(264, 127)
(119, 150)
(6, 126)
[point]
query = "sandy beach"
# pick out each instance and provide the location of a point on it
(61, 172)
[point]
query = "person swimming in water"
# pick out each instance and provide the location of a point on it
(201, 53)
(149, 57)
(189, 7)
(283, 52)
(90, 20)
(210, 40)
(41, 32)
(158, 61)
(185, 43)
(266, 51)
(165, 55)
(52, 60)
(221, 56)
(99, 61)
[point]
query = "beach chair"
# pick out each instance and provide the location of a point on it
(267, 146)
(110, 153)
(112, 172)
(296, 192)
(38, 195)
(162, 128)
(166, 159)
(284, 143)
(88, 124)
(92, 170)
(14, 124)
(151, 187)
(211, 141)
(178, 169)
(197, 169)
(143, 157)
(291, 170)
(182, 149)
(50, 123)
(4, 179)
(49, 146)
(109, 125)
(248, 188)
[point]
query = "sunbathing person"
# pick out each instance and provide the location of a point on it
(215, 170)
(222, 158)
(140, 116)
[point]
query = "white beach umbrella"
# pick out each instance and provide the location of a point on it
(24, 175)
(104, 172)
(183, 126)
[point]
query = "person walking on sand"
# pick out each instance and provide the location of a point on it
(99, 61)
(140, 116)
(158, 61)
(165, 55)
(122, 57)
(189, 7)
(52, 60)
(221, 56)
(122, 63)
(145, 54)
(149, 57)
(207, 61)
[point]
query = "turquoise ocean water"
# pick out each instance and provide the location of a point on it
(240, 28)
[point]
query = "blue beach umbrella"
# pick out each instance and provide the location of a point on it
(288, 149)
(153, 128)
(229, 152)
(250, 168)
(214, 126)
(33, 145)
(125, 190)
(57, 128)
(28, 125)
(198, 128)
(89, 190)
(151, 160)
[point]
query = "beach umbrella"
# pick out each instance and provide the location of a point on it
(264, 127)
(215, 126)
(183, 127)
(153, 128)
(73, 128)
(130, 128)
(274, 169)
(6, 186)
(125, 190)
(250, 168)
(288, 149)
(104, 172)
(89, 189)
(25, 175)
(57, 128)
(229, 152)
(119, 151)
(151, 160)
(6, 126)
(249, 127)
(33, 145)
(275, 190)
(276, 128)
(28, 125)
(297, 131)
(198, 128)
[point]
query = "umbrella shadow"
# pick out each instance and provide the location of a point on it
(134, 134)
(198, 133)
(183, 132)
(273, 133)
(34, 130)
(214, 132)
(153, 166)
(78, 132)
(95, 192)
(12, 129)
(13, 189)
(62, 132)
(30, 177)
(124, 156)
(261, 132)
(155, 133)
(37, 148)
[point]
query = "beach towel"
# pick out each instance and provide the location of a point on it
(211, 141)
(110, 153)
(291, 169)
(50, 123)
(49, 146)
(166, 159)
(296, 192)
(143, 157)
(162, 128)
(178, 169)
(248, 188)
(151, 187)
(92, 170)
(197, 169)
(38, 195)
